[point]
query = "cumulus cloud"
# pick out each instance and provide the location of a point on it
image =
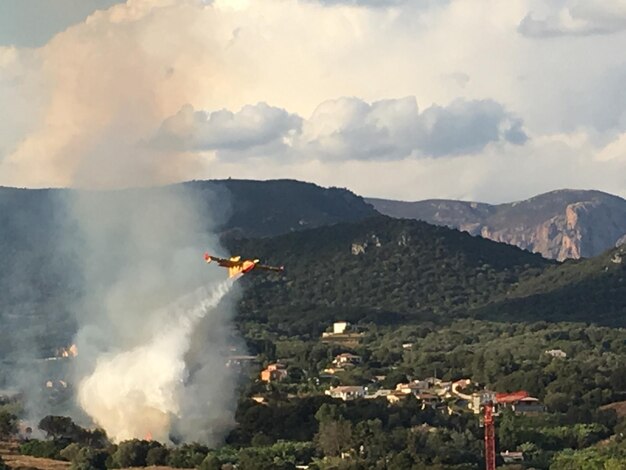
(251, 127)
(498, 174)
(577, 18)
(346, 129)
(349, 128)
(22, 111)
(467, 127)
(107, 85)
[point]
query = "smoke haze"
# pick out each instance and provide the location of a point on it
(142, 367)
(141, 256)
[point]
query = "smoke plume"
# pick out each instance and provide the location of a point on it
(151, 352)
(125, 254)
(136, 393)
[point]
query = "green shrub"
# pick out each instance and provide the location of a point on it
(211, 462)
(45, 449)
(157, 456)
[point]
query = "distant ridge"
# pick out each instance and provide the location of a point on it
(559, 224)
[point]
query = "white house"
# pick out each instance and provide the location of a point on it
(340, 327)
(345, 359)
(346, 392)
(557, 353)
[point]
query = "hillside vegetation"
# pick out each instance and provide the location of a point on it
(399, 267)
(396, 270)
(591, 290)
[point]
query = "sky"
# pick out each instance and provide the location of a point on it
(405, 99)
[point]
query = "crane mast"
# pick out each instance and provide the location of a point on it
(490, 436)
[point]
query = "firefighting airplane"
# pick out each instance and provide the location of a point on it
(238, 266)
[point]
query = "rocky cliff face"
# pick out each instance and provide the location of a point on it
(560, 224)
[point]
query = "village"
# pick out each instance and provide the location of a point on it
(445, 396)
(430, 391)
(369, 375)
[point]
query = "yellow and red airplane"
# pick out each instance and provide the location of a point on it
(238, 266)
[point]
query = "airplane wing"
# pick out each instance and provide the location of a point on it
(221, 261)
(270, 268)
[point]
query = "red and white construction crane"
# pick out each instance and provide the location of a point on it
(487, 405)
(490, 436)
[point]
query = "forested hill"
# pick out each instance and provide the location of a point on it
(382, 267)
(393, 270)
(591, 290)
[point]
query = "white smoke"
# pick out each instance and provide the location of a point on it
(104, 88)
(136, 393)
(151, 341)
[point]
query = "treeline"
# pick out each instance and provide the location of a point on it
(364, 434)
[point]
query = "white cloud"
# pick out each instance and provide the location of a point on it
(249, 128)
(344, 129)
(350, 129)
(84, 109)
(501, 173)
(577, 18)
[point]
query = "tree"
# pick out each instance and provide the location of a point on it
(508, 429)
(45, 449)
(558, 401)
(335, 432)
(157, 456)
(89, 459)
(133, 453)
(3, 466)
(8, 424)
(62, 427)
(400, 461)
(334, 436)
(370, 439)
(70, 452)
(260, 439)
(211, 462)
(253, 458)
(187, 456)
(393, 378)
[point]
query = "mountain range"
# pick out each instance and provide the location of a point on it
(559, 225)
